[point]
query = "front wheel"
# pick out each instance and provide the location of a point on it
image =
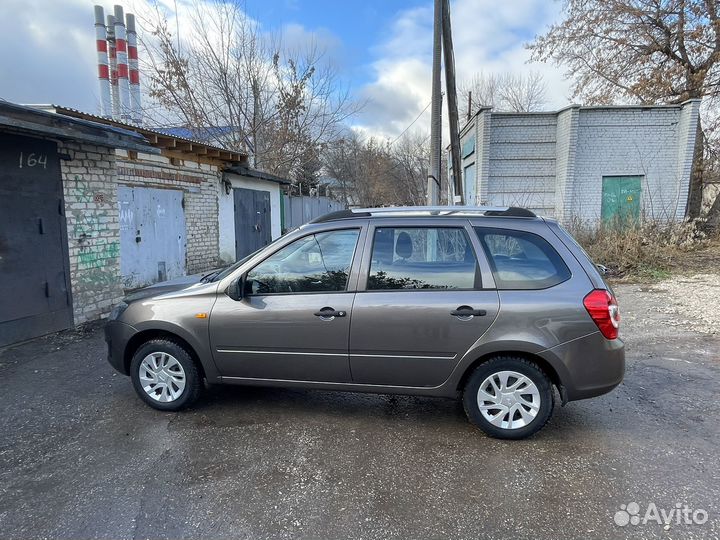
(164, 375)
(508, 398)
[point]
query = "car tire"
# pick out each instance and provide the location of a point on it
(165, 376)
(508, 397)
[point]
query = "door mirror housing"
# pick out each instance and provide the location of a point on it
(236, 290)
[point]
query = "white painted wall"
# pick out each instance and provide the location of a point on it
(554, 163)
(226, 211)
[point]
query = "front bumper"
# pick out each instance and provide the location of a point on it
(117, 336)
(589, 366)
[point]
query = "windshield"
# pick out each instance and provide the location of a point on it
(217, 275)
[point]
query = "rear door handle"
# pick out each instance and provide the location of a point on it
(329, 313)
(467, 311)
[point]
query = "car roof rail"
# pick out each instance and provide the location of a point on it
(496, 211)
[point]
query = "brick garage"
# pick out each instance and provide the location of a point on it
(64, 250)
(200, 185)
(557, 163)
(58, 220)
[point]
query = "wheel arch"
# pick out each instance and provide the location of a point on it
(143, 336)
(544, 365)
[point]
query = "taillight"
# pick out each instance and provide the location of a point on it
(603, 308)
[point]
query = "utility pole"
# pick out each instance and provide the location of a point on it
(433, 184)
(452, 104)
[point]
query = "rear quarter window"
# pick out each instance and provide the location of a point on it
(522, 260)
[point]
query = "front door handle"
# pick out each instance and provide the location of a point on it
(328, 313)
(467, 311)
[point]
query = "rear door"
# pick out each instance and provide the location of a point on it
(293, 322)
(424, 298)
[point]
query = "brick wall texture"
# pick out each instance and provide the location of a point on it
(91, 213)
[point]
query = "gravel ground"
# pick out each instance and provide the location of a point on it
(82, 457)
(694, 300)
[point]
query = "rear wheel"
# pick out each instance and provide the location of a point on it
(164, 375)
(508, 398)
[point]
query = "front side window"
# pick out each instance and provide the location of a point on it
(314, 263)
(422, 258)
(522, 260)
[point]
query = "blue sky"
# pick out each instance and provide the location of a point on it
(382, 48)
(359, 26)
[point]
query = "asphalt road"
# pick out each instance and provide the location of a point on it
(82, 457)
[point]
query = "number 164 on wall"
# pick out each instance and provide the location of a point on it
(32, 160)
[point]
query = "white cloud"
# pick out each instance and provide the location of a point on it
(47, 52)
(488, 36)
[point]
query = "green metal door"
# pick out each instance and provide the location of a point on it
(621, 198)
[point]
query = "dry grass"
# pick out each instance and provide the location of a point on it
(645, 251)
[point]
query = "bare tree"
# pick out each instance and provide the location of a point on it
(504, 92)
(242, 89)
(375, 173)
(647, 51)
(523, 93)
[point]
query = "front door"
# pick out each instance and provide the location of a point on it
(422, 309)
(293, 321)
(252, 220)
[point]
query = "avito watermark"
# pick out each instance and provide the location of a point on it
(680, 514)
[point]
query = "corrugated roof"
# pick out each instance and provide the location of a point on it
(32, 119)
(254, 173)
(155, 137)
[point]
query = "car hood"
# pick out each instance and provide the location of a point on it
(164, 287)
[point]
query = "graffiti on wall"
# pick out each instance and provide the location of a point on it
(90, 228)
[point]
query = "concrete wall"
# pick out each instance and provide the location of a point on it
(200, 184)
(91, 213)
(226, 211)
(553, 163)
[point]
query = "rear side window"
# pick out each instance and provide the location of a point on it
(422, 258)
(522, 260)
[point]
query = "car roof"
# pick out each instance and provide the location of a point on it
(426, 211)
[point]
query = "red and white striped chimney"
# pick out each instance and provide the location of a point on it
(103, 69)
(112, 57)
(135, 106)
(122, 64)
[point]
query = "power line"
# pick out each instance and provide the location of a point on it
(411, 124)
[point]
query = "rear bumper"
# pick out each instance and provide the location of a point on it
(117, 335)
(589, 366)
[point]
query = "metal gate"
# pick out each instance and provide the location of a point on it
(252, 220)
(152, 235)
(621, 199)
(34, 268)
(299, 210)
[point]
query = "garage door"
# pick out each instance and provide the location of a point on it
(34, 285)
(152, 235)
(252, 220)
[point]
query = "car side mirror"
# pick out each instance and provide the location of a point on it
(236, 290)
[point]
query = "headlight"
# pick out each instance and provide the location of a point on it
(117, 311)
